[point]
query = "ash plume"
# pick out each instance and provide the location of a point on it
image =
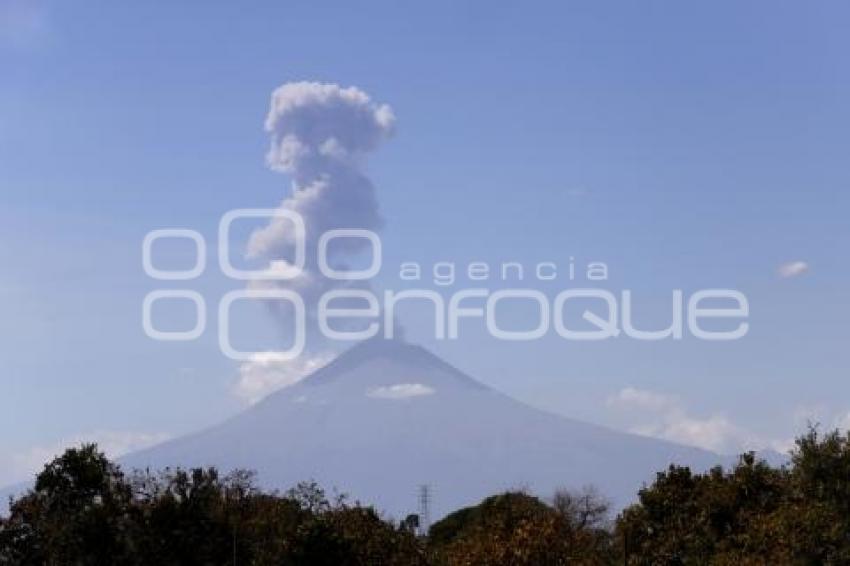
(320, 137)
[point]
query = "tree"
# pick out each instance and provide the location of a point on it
(586, 515)
(82, 511)
(79, 510)
(517, 529)
(683, 517)
(751, 514)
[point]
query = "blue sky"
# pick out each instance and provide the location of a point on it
(687, 146)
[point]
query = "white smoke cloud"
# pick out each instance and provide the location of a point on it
(265, 374)
(312, 123)
(320, 136)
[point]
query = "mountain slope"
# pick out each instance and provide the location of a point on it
(387, 416)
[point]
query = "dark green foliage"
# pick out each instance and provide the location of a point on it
(84, 511)
(683, 517)
(518, 529)
(507, 509)
(753, 514)
(80, 510)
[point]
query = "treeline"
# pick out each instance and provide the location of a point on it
(83, 510)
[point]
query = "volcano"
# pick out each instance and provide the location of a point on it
(387, 416)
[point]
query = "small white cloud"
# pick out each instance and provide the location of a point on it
(400, 391)
(664, 416)
(792, 269)
(264, 373)
(715, 433)
(641, 398)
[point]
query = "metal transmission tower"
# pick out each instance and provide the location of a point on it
(424, 509)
